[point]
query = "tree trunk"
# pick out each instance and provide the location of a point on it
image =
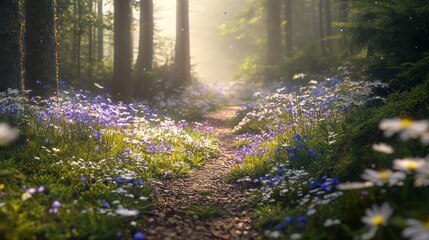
(10, 52)
(322, 34)
(90, 41)
(182, 61)
(79, 38)
(273, 32)
(328, 20)
(313, 18)
(41, 65)
(288, 28)
(100, 37)
(121, 85)
(145, 55)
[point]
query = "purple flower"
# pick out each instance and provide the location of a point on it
(139, 236)
(31, 190)
(83, 179)
(41, 189)
(56, 204)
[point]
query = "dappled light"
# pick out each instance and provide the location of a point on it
(214, 119)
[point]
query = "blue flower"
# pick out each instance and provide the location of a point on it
(139, 236)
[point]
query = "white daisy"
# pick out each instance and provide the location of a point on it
(375, 217)
(7, 134)
(382, 177)
(382, 147)
(126, 212)
(408, 164)
(416, 230)
(406, 128)
(422, 175)
(354, 185)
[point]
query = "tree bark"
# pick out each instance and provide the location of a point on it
(288, 28)
(100, 36)
(321, 31)
(182, 61)
(41, 64)
(90, 42)
(145, 55)
(328, 20)
(10, 52)
(79, 38)
(121, 85)
(273, 32)
(313, 19)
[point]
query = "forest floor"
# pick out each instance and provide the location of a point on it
(203, 205)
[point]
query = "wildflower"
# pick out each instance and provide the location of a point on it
(382, 147)
(41, 189)
(422, 176)
(7, 134)
(382, 177)
(295, 236)
(329, 222)
(424, 138)
(354, 185)
(139, 236)
(55, 149)
(375, 217)
(416, 230)
(31, 190)
(54, 207)
(406, 128)
(25, 196)
(408, 164)
(127, 212)
(1, 186)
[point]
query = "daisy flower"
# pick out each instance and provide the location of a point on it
(422, 175)
(380, 178)
(382, 147)
(7, 134)
(354, 185)
(406, 128)
(375, 217)
(416, 230)
(408, 164)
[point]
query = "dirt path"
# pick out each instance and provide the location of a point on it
(205, 190)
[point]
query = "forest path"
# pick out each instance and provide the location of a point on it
(204, 190)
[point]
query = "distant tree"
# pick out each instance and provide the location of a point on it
(41, 65)
(121, 85)
(273, 8)
(145, 55)
(10, 57)
(321, 30)
(100, 31)
(313, 27)
(328, 20)
(182, 60)
(142, 86)
(288, 28)
(90, 40)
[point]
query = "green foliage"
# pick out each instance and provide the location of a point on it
(204, 212)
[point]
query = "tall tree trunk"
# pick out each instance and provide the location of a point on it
(100, 37)
(343, 17)
(328, 20)
(145, 55)
(321, 31)
(41, 64)
(143, 84)
(273, 32)
(10, 52)
(313, 27)
(79, 38)
(182, 61)
(121, 86)
(288, 28)
(90, 41)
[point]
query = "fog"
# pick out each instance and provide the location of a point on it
(214, 58)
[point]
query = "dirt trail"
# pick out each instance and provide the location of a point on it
(204, 187)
